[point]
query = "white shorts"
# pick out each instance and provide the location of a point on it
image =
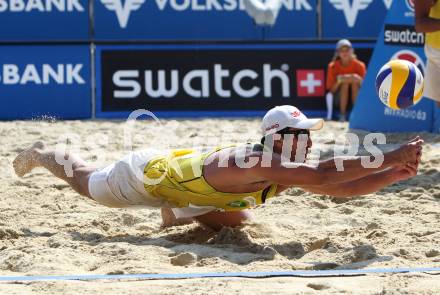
(121, 185)
(432, 75)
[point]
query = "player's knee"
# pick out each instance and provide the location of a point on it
(217, 220)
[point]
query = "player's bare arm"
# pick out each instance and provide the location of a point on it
(366, 185)
(423, 22)
(326, 173)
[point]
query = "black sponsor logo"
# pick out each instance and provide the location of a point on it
(403, 35)
(208, 80)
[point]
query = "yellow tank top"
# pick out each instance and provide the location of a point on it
(433, 39)
(178, 178)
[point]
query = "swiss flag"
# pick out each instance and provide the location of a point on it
(310, 83)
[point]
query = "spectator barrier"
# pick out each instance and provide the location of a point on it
(47, 53)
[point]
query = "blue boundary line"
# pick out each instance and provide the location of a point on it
(294, 273)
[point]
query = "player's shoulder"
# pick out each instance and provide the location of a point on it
(249, 150)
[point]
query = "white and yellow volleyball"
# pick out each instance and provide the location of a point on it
(399, 84)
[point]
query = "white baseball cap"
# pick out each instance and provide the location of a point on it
(281, 117)
(343, 42)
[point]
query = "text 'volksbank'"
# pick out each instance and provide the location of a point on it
(40, 5)
(124, 8)
(12, 74)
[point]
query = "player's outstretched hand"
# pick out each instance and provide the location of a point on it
(410, 152)
(405, 172)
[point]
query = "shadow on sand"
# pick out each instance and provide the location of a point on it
(234, 245)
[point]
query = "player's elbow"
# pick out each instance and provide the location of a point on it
(330, 176)
(419, 25)
(318, 177)
(315, 177)
(308, 177)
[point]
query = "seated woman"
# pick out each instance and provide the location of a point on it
(345, 73)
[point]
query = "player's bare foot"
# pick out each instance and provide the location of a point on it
(27, 160)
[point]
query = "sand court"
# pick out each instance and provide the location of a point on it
(48, 229)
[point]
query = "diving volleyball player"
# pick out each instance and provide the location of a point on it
(217, 187)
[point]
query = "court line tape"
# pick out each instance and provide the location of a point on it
(293, 273)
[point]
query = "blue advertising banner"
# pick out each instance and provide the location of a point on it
(353, 18)
(398, 40)
(196, 20)
(212, 80)
(296, 19)
(44, 20)
(38, 81)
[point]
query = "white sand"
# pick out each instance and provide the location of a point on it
(47, 229)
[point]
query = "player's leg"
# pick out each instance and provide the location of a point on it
(343, 96)
(39, 156)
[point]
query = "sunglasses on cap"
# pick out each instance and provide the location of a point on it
(295, 132)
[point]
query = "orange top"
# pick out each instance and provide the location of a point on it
(335, 68)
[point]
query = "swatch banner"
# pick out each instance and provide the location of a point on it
(45, 81)
(44, 20)
(198, 20)
(353, 18)
(187, 80)
(398, 40)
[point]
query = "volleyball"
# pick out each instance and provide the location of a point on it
(399, 84)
